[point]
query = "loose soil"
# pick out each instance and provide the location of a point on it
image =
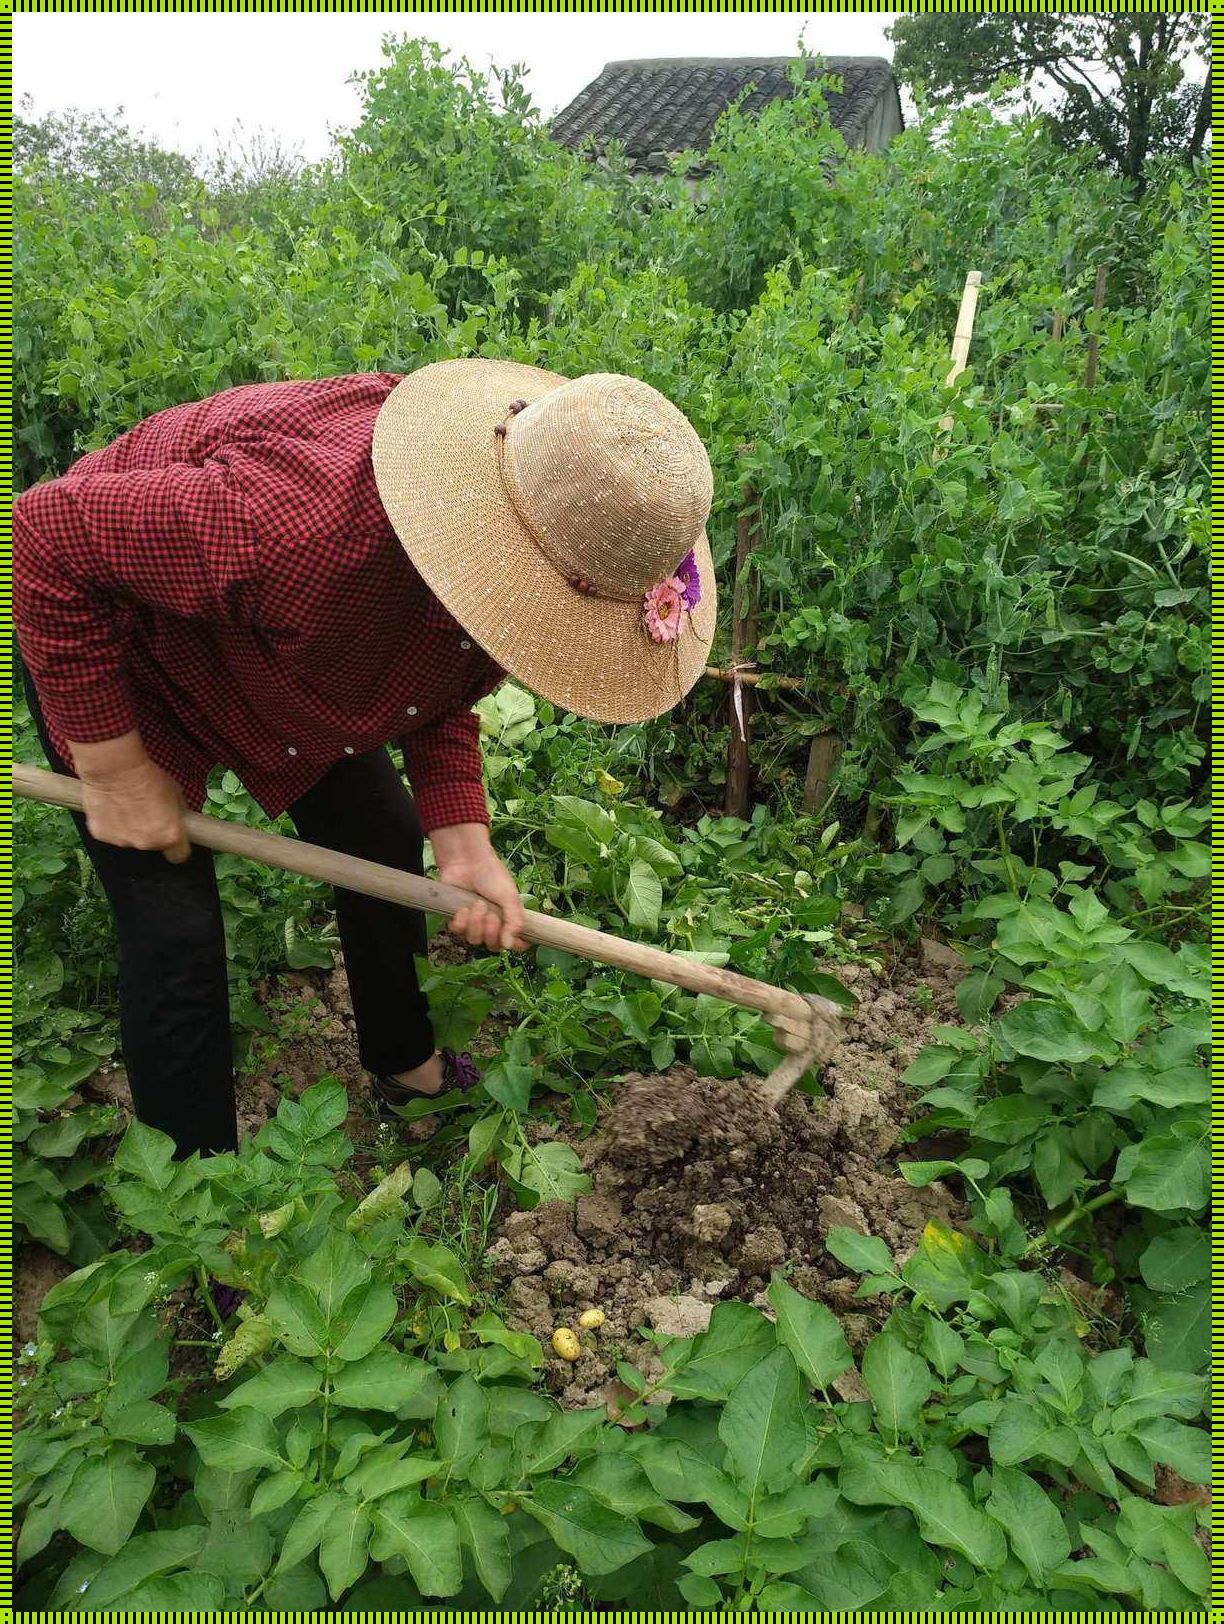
(703, 1202)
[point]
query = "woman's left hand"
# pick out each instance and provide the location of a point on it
(466, 858)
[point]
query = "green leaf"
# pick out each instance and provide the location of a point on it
(147, 1155)
(486, 1536)
(599, 1540)
(737, 1338)
(510, 1084)
(1046, 1031)
(1177, 1259)
(977, 994)
(365, 1317)
(1061, 1364)
(308, 1527)
(140, 1421)
(490, 1329)
(379, 1474)
(385, 1198)
(437, 1267)
(333, 1271)
(679, 1472)
(550, 1171)
(1126, 1004)
(461, 1425)
(344, 1547)
(298, 1320)
(781, 1597)
(811, 1332)
(642, 897)
(920, 1174)
(899, 1382)
(1187, 1450)
(1187, 1560)
(701, 1593)
(240, 1441)
(285, 1384)
(865, 1254)
(942, 1345)
(1176, 1334)
(621, 1482)
(386, 1379)
(1170, 1172)
(565, 1434)
(946, 1515)
(763, 1424)
(424, 1534)
(142, 1558)
(273, 1492)
(105, 1498)
(1031, 1520)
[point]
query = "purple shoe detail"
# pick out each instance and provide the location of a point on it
(459, 1074)
(459, 1070)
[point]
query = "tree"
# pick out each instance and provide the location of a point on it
(1129, 83)
(97, 149)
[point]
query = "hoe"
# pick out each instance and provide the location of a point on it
(806, 1026)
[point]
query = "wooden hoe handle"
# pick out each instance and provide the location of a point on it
(790, 1013)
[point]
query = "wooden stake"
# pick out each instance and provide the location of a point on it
(1094, 339)
(1057, 332)
(963, 336)
(756, 679)
(823, 757)
(743, 639)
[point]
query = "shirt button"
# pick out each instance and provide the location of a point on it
(464, 643)
(349, 751)
(292, 751)
(412, 710)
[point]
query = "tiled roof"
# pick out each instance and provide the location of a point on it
(671, 104)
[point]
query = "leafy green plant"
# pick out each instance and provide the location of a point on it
(338, 1451)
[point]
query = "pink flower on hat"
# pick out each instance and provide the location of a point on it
(662, 609)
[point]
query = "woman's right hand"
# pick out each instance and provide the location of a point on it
(129, 800)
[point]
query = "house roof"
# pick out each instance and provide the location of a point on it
(663, 105)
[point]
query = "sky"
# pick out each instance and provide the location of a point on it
(188, 81)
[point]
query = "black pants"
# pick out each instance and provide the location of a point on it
(173, 983)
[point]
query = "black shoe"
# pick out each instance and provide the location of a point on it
(459, 1076)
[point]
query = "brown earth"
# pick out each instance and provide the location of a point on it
(723, 1189)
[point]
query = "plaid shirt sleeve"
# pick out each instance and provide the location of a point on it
(445, 770)
(176, 537)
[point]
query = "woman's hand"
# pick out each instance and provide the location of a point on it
(129, 800)
(466, 858)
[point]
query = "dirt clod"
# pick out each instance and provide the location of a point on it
(678, 1316)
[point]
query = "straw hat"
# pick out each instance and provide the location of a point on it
(550, 517)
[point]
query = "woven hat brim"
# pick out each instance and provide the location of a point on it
(436, 467)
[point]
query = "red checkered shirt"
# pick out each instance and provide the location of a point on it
(224, 579)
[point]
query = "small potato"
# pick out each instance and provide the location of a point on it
(566, 1345)
(592, 1319)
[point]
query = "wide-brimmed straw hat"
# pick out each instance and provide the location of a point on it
(561, 522)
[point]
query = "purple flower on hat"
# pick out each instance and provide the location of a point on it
(690, 580)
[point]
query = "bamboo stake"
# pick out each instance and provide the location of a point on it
(963, 335)
(743, 636)
(788, 1012)
(756, 679)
